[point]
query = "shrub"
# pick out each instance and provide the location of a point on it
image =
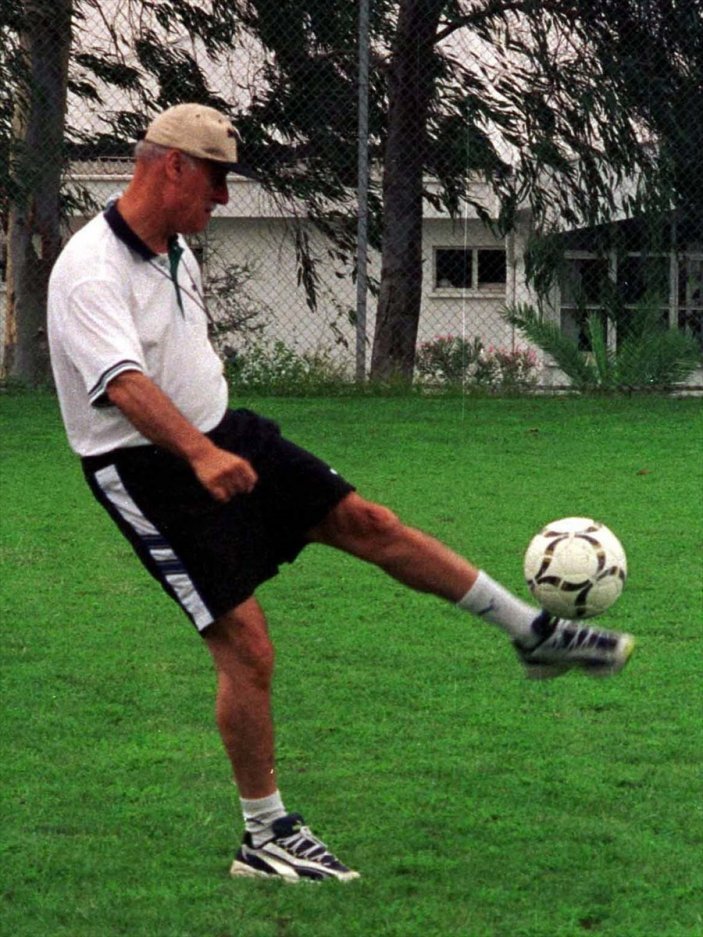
(447, 359)
(649, 354)
(452, 360)
(506, 369)
(278, 369)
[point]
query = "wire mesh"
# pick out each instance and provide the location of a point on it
(280, 260)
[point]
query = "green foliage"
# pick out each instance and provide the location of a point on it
(652, 355)
(649, 355)
(13, 74)
(451, 360)
(234, 315)
(275, 368)
(307, 89)
(528, 96)
(663, 42)
(506, 369)
(447, 359)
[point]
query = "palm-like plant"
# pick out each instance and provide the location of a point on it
(649, 355)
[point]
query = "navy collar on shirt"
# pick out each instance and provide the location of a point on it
(122, 230)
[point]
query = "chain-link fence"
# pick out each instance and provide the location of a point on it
(422, 168)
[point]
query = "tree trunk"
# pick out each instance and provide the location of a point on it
(410, 87)
(34, 237)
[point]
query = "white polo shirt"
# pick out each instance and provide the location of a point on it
(115, 306)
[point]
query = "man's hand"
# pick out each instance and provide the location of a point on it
(146, 406)
(224, 474)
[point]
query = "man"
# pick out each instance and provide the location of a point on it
(213, 500)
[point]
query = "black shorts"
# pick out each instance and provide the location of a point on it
(209, 556)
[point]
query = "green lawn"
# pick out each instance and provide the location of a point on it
(475, 803)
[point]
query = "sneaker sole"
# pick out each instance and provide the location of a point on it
(547, 671)
(242, 870)
(626, 650)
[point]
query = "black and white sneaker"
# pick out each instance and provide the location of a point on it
(564, 645)
(292, 853)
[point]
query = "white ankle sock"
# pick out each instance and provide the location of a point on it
(260, 813)
(492, 602)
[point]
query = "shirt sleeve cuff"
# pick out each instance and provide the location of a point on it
(97, 395)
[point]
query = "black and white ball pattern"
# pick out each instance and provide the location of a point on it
(575, 567)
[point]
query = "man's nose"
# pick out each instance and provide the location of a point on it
(221, 193)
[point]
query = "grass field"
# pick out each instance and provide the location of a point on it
(475, 803)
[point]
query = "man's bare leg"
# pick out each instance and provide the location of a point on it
(243, 656)
(276, 844)
(547, 646)
(373, 533)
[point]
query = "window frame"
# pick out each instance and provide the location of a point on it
(677, 314)
(490, 289)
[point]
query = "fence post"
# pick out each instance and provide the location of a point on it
(362, 191)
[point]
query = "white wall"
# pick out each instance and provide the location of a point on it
(255, 230)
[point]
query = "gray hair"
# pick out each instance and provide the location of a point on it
(147, 152)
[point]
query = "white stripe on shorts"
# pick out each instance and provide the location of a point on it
(168, 563)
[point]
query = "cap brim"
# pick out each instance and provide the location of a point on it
(241, 170)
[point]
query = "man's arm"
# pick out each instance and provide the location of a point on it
(157, 418)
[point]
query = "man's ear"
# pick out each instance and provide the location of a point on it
(175, 164)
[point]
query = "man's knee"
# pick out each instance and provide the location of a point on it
(377, 521)
(239, 639)
(355, 520)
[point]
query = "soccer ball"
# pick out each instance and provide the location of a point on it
(575, 567)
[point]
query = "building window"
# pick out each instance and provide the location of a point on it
(473, 268)
(453, 269)
(689, 308)
(642, 278)
(591, 284)
(583, 284)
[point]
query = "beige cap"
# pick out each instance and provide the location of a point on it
(199, 131)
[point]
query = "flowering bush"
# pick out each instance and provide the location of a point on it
(447, 358)
(506, 369)
(450, 359)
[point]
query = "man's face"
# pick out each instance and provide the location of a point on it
(203, 187)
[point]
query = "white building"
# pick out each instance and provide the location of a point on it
(469, 275)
